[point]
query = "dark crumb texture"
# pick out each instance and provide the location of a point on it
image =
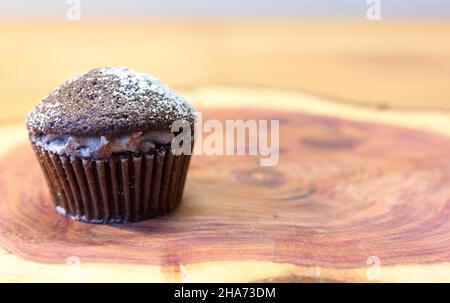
(109, 101)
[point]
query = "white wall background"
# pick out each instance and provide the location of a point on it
(355, 9)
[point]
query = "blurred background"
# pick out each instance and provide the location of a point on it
(386, 53)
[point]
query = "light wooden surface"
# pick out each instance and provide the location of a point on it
(399, 72)
(379, 63)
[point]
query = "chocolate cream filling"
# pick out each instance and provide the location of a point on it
(100, 147)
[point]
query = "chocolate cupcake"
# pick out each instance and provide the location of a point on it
(103, 140)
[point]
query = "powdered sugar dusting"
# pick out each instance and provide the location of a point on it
(109, 99)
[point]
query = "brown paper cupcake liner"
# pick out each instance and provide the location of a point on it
(120, 189)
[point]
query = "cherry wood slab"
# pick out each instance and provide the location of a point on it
(358, 195)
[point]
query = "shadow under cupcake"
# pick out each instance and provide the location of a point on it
(103, 140)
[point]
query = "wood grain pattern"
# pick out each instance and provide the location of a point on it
(344, 191)
(359, 186)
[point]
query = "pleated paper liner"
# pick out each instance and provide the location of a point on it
(121, 189)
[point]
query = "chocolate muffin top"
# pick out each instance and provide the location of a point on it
(109, 101)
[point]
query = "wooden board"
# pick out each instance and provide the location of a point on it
(383, 64)
(359, 195)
